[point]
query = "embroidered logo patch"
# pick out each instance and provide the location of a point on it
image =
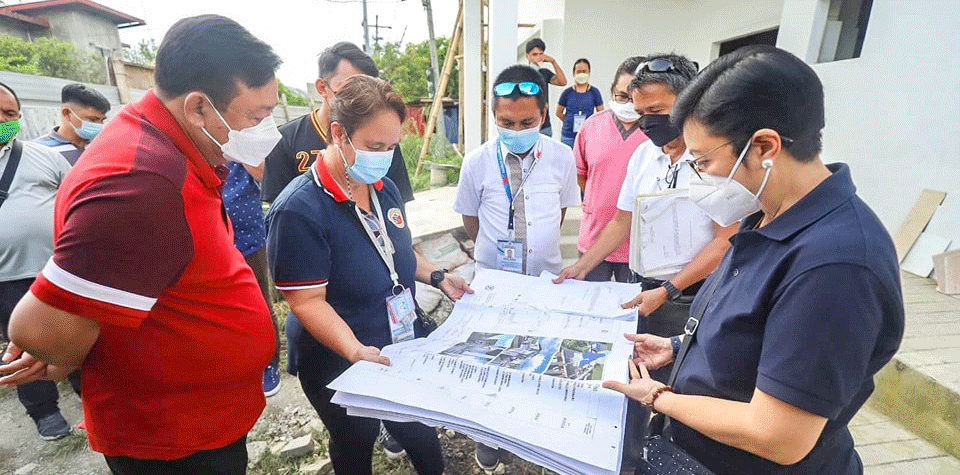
(396, 217)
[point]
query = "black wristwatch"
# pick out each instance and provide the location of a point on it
(675, 342)
(673, 293)
(437, 276)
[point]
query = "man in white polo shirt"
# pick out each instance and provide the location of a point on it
(520, 175)
(657, 165)
(514, 190)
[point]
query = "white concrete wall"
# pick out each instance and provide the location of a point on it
(893, 113)
(81, 29)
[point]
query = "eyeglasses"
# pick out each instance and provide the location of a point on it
(661, 65)
(526, 88)
(622, 98)
(697, 165)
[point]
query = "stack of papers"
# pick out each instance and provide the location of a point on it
(517, 365)
(666, 233)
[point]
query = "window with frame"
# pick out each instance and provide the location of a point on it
(844, 30)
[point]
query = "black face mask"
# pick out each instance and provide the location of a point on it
(657, 127)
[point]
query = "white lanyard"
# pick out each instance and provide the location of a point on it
(387, 250)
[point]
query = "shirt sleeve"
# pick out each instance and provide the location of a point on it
(298, 251)
(580, 150)
(628, 195)
(569, 191)
(468, 188)
(819, 337)
(398, 173)
(123, 241)
(274, 166)
(547, 75)
(597, 97)
(562, 101)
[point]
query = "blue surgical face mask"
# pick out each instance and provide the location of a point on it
(368, 166)
(87, 130)
(519, 141)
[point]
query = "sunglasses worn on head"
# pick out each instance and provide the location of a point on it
(659, 65)
(526, 88)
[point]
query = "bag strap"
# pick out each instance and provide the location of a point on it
(693, 323)
(16, 150)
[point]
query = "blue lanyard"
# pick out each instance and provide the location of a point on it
(506, 180)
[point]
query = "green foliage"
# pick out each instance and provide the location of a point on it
(51, 57)
(144, 53)
(408, 67)
(294, 98)
(440, 151)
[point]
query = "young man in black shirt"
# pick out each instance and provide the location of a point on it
(536, 57)
(304, 137)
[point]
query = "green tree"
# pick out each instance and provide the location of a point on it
(294, 98)
(58, 59)
(144, 53)
(408, 67)
(17, 55)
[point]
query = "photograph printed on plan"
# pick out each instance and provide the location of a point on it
(561, 358)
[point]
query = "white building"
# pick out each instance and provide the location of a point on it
(893, 110)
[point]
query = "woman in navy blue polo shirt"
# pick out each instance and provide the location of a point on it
(804, 308)
(341, 253)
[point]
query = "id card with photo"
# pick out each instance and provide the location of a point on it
(578, 121)
(401, 311)
(510, 255)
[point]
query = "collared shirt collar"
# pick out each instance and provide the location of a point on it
(323, 179)
(158, 115)
(824, 198)
(55, 134)
(536, 151)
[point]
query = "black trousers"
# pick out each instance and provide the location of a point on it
(667, 321)
(258, 263)
(39, 398)
(619, 271)
(352, 438)
(228, 460)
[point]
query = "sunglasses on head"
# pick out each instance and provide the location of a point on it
(660, 65)
(526, 88)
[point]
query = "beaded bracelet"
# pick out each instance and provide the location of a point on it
(653, 398)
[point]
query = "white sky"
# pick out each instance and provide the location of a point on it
(298, 30)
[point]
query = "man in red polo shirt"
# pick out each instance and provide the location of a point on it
(145, 290)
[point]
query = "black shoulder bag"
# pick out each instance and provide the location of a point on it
(660, 455)
(16, 150)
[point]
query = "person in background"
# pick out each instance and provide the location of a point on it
(341, 253)
(29, 187)
(602, 151)
(145, 288)
(536, 57)
(806, 305)
(241, 198)
(514, 190)
(81, 119)
(577, 102)
(305, 136)
(303, 141)
(657, 165)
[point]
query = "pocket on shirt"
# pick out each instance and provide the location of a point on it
(545, 196)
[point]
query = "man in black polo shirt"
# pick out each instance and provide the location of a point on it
(304, 137)
(536, 57)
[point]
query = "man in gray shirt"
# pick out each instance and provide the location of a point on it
(26, 243)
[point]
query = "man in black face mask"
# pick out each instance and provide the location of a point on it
(658, 165)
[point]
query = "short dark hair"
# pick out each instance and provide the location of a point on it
(757, 87)
(521, 73)
(331, 57)
(14, 94)
(684, 71)
(536, 43)
(628, 66)
(581, 60)
(211, 53)
(84, 96)
(362, 97)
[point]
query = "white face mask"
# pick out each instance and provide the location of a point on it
(724, 199)
(249, 146)
(624, 112)
(581, 78)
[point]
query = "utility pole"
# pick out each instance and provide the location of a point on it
(376, 30)
(366, 29)
(434, 64)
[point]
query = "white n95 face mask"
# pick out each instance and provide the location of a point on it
(249, 146)
(724, 199)
(623, 111)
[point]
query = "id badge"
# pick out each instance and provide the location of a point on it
(402, 313)
(510, 255)
(578, 121)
